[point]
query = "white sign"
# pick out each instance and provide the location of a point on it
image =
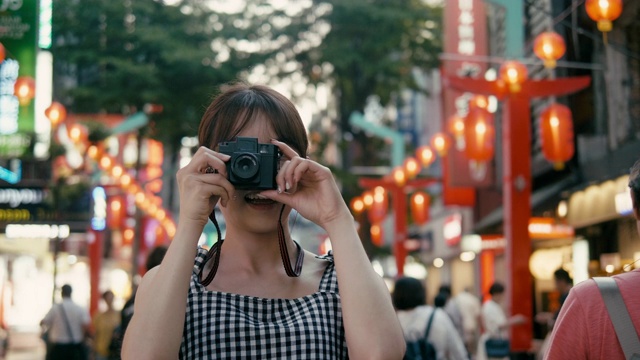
(37, 231)
(17, 197)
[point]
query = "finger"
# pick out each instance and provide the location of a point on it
(281, 178)
(299, 171)
(219, 180)
(287, 151)
(294, 172)
(281, 197)
(204, 158)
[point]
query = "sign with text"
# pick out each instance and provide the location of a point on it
(466, 38)
(18, 34)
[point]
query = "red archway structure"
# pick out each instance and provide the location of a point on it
(516, 134)
(399, 205)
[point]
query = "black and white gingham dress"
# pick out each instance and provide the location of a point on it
(230, 326)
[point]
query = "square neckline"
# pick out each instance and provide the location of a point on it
(326, 274)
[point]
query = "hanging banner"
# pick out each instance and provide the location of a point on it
(465, 39)
(18, 34)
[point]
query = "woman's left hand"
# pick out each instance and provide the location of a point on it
(308, 187)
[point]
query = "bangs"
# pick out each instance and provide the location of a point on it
(240, 106)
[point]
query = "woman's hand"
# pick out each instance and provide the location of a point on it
(201, 184)
(308, 187)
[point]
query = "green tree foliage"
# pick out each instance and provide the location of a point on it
(115, 56)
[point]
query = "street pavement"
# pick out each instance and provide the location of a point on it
(25, 346)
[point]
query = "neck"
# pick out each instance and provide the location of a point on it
(256, 253)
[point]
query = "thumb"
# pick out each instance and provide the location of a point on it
(280, 197)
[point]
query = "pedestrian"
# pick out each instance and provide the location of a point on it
(414, 314)
(104, 324)
(153, 259)
(563, 283)
(470, 310)
(451, 308)
(244, 298)
(583, 329)
(495, 322)
(69, 325)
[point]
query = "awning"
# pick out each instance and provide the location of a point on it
(537, 197)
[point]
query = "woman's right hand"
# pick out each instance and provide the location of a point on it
(201, 184)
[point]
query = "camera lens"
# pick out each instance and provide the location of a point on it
(245, 166)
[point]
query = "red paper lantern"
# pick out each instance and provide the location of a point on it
(411, 167)
(78, 133)
(426, 155)
(441, 142)
(116, 212)
(420, 207)
(399, 176)
(513, 73)
(376, 232)
(2, 53)
(455, 127)
(24, 89)
(604, 12)
(378, 210)
(549, 47)
(56, 113)
(357, 205)
(480, 101)
(479, 135)
(556, 133)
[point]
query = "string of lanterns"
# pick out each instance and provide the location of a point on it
(475, 133)
(149, 203)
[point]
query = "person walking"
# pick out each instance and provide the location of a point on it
(470, 310)
(494, 320)
(414, 315)
(256, 293)
(564, 283)
(154, 258)
(104, 324)
(68, 325)
(583, 329)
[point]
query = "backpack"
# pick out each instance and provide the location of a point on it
(422, 349)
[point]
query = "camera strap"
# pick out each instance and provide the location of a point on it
(284, 254)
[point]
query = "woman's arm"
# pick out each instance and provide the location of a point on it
(366, 302)
(155, 331)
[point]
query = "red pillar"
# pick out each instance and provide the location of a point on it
(95, 239)
(400, 210)
(516, 135)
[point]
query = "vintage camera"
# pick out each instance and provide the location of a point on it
(252, 165)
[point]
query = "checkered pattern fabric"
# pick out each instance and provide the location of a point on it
(230, 326)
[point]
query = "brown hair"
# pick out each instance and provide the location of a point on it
(634, 184)
(239, 104)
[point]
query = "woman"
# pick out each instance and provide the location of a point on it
(494, 320)
(409, 301)
(238, 301)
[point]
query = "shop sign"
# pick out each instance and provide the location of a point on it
(37, 231)
(99, 219)
(546, 228)
(14, 197)
(18, 33)
(452, 229)
(465, 37)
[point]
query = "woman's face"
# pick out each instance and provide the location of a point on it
(247, 210)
